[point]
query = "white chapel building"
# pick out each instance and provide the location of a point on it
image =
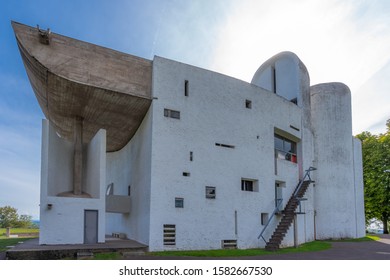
(181, 158)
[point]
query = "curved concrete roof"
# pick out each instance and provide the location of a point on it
(272, 60)
(71, 78)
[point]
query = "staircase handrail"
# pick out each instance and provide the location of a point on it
(307, 174)
(276, 210)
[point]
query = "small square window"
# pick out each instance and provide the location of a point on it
(264, 218)
(210, 192)
(179, 202)
(186, 174)
(248, 104)
(249, 185)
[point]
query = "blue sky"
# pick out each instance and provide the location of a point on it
(345, 41)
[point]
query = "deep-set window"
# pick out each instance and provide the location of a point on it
(285, 148)
(264, 218)
(179, 202)
(210, 192)
(249, 185)
(248, 104)
(186, 88)
(273, 73)
(171, 114)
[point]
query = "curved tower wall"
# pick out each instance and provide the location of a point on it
(334, 191)
(285, 75)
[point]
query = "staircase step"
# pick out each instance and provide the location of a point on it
(288, 214)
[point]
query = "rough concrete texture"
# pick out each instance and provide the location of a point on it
(334, 154)
(108, 89)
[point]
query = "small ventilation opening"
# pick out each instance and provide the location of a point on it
(248, 104)
(224, 145)
(229, 244)
(186, 174)
(169, 232)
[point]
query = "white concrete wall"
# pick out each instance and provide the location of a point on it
(94, 166)
(60, 163)
(214, 112)
(64, 222)
(132, 166)
(335, 183)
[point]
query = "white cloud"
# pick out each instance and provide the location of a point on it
(344, 41)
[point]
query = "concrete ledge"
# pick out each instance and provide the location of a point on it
(30, 250)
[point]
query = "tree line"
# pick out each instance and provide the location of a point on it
(9, 217)
(376, 175)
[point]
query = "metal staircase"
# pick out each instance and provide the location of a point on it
(287, 213)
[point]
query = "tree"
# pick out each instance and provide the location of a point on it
(376, 175)
(8, 217)
(24, 221)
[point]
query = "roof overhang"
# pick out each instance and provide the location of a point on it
(71, 78)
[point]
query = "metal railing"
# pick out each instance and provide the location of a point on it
(307, 175)
(280, 201)
(276, 210)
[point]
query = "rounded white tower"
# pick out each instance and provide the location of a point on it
(334, 188)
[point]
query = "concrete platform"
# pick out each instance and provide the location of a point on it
(31, 250)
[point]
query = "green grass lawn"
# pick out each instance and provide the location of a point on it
(10, 242)
(32, 231)
(307, 247)
(107, 256)
(362, 239)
